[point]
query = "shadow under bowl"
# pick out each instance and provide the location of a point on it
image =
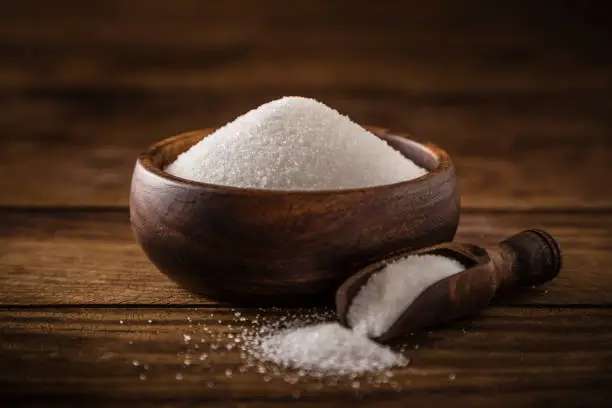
(284, 247)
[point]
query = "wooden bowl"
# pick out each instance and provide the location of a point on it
(276, 247)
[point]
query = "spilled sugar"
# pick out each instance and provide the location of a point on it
(262, 341)
(328, 348)
(293, 345)
(387, 293)
(294, 143)
(332, 349)
(311, 344)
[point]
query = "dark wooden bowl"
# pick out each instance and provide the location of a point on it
(272, 246)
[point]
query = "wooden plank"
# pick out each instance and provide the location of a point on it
(538, 150)
(93, 256)
(407, 45)
(90, 257)
(140, 20)
(99, 84)
(246, 67)
(506, 357)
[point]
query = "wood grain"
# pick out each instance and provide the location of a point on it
(409, 46)
(497, 142)
(265, 247)
(517, 92)
(506, 357)
(527, 259)
(90, 257)
(498, 86)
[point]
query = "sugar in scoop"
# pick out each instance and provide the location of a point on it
(386, 294)
(294, 143)
(333, 349)
(422, 288)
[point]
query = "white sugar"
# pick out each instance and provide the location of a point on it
(381, 301)
(330, 349)
(294, 143)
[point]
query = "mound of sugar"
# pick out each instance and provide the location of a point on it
(294, 143)
(328, 349)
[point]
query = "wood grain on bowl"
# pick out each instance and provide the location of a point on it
(277, 246)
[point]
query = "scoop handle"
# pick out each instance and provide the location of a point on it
(535, 257)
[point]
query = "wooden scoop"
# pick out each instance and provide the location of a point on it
(529, 258)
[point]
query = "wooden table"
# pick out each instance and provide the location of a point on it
(517, 92)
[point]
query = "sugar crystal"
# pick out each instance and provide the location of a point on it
(328, 348)
(294, 143)
(386, 294)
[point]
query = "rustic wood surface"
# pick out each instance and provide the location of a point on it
(101, 354)
(496, 140)
(83, 257)
(518, 92)
(497, 86)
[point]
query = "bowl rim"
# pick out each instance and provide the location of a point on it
(445, 164)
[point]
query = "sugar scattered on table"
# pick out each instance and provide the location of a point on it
(386, 294)
(329, 348)
(294, 143)
(291, 346)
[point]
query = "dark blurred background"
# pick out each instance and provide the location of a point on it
(517, 91)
